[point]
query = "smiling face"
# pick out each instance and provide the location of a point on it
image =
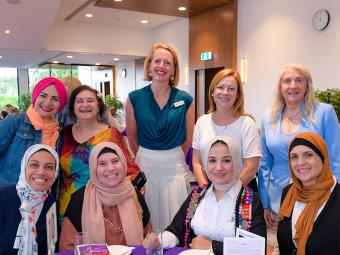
(110, 169)
(162, 65)
(220, 165)
(40, 170)
(47, 103)
(86, 106)
(293, 87)
(306, 164)
(225, 93)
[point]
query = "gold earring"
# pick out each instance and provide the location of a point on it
(150, 75)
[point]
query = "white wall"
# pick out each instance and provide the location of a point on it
(274, 33)
(127, 84)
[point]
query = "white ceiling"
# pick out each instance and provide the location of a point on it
(31, 21)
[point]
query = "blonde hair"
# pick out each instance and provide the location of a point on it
(238, 107)
(71, 83)
(309, 98)
(173, 80)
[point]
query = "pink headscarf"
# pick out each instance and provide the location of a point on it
(60, 87)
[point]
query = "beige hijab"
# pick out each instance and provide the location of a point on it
(123, 195)
(235, 151)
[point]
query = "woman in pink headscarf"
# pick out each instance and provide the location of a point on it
(22, 130)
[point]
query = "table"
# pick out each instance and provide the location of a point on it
(139, 250)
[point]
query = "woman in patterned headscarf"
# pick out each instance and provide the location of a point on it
(24, 206)
(309, 214)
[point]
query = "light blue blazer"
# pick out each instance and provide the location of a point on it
(274, 173)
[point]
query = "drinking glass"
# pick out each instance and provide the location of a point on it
(80, 238)
(154, 245)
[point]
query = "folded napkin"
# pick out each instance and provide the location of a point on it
(120, 249)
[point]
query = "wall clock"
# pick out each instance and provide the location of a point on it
(320, 19)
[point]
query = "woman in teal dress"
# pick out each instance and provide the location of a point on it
(159, 121)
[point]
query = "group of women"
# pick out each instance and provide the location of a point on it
(94, 189)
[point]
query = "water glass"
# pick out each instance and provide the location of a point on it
(80, 238)
(154, 245)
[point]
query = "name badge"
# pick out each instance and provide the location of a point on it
(179, 103)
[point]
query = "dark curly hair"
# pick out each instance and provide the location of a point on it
(74, 94)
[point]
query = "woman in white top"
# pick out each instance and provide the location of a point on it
(226, 117)
(213, 211)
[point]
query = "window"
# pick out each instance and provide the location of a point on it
(8, 87)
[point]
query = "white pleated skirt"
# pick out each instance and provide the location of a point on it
(167, 182)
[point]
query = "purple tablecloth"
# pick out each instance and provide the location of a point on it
(139, 250)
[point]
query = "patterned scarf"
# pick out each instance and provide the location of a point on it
(32, 202)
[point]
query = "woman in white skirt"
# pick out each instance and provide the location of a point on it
(159, 122)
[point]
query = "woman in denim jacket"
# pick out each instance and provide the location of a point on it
(21, 130)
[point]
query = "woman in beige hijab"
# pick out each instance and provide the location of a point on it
(109, 208)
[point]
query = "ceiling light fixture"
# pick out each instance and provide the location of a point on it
(118, 0)
(0, 56)
(182, 8)
(7, 31)
(89, 15)
(116, 59)
(69, 56)
(55, 62)
(144, 21)
(97, 64)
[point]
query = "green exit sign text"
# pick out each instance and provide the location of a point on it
(206, 55)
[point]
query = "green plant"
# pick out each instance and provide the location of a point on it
(113, 101)
(330, 96)
(25, 101)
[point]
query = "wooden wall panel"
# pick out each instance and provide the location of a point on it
(214, 31)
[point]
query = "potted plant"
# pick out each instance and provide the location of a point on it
(330, 96)
(113, 103)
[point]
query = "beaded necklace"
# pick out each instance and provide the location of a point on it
(242, 212)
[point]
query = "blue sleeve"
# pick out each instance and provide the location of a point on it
(8, 129)
(331, 135)
(265, 167)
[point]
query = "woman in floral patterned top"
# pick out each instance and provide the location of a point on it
(79, 139)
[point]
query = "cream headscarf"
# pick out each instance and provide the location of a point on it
(235, 151)
(123, 195)
(32, 202)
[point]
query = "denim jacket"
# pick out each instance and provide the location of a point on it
(17, 134)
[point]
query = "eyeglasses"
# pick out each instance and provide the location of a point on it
(230, 89)
(288, 81)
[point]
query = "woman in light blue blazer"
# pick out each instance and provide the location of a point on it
(295, 110)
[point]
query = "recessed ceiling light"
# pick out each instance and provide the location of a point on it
(116, 59)
(182, 8)
(69, 56)
(0, 56)
(118, 0)
(89, 15)
(97, 64)
(55, 62)
(7, 31)
(144, 21)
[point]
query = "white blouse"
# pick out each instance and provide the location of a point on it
(212, 220)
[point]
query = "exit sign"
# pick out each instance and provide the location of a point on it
(206, 55)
